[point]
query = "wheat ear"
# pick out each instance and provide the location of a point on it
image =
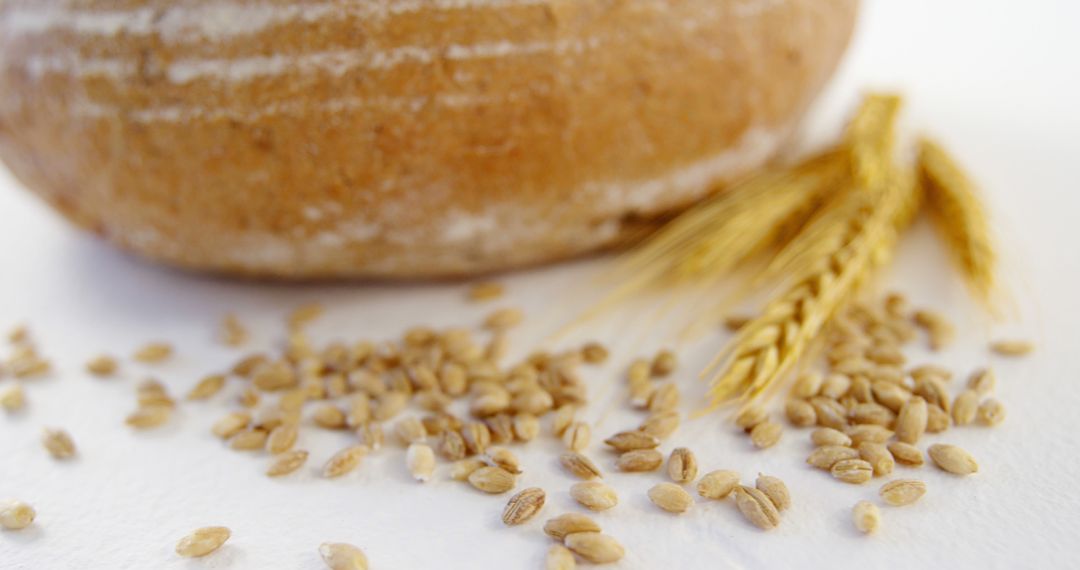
(960, 217)
(860, 233)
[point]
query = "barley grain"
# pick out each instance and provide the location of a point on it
(344, 461)
(526, 427)
(661, 424)
(982, 381)
(902, 491)
(663, 364)
(750, 416)
(16, 515)
(559, 557)
(153, 353)
(579, 466)
(286, 463)
(594, 495)
(718, 484)
(905, 453)
(148, 417)
(595, 547)
(523, 506)
(953, 459)
(878, 456)
(868, 432)
(991, 412)
(775, 490)
(452, 446)
(462, 468)
(503, 319)
(937, 419)
(202, 541)
(504, 458)
(477, 437)
(826, 456)
(640, 460)
(965, 407)
(682, 465)
(670, 497)
(569, 523)
(854, 471)
(594, 353)
(58, 443)
(911, 421)
(230, 424)
(342, 556)
(13, 398)
(102, 365)
(1012, 347)
(631, 440)
(829, 436)
(766, 434)
(757, 507)
(492, 480)
(577, 436)
(420, 459)
(807, 385)
(664, 398)
(800, 413)
(866, 516)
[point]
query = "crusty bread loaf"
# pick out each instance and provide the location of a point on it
(327, 138)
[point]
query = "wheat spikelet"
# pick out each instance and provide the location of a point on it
(770, 345)
(857, 234)
(871, 138)
(960, 217)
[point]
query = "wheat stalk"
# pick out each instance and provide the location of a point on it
(960, 217)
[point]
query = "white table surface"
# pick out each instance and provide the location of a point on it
(996, 81)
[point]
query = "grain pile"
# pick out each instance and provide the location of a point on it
(455, 406)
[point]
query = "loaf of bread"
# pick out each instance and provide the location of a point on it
(397, 138)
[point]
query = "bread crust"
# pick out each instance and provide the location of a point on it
(414, 138)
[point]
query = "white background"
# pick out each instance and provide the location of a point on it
(997, 82)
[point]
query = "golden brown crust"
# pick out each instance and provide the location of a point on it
(409, 138)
